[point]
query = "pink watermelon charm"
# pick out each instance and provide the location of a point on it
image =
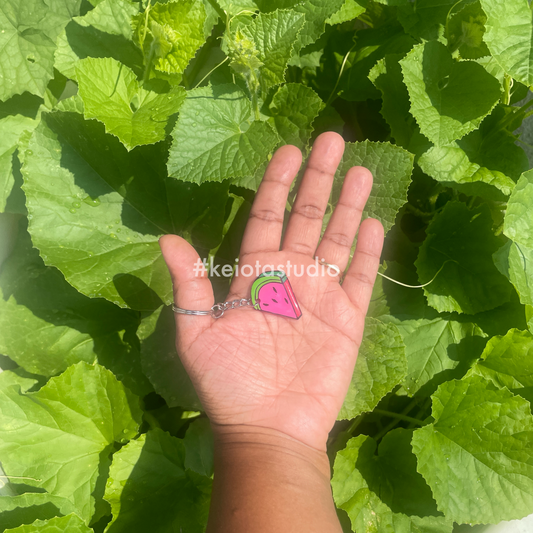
(272, 293)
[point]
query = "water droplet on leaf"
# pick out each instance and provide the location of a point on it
(93, 202)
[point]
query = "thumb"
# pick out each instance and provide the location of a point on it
(192, 288)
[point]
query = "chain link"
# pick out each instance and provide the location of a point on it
(218, 310)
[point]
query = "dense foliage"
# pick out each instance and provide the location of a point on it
(122, 121)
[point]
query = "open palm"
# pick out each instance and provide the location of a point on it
(258, 369)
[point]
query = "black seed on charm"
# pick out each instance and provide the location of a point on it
(286, 300)
(274, 289)
(274, 300)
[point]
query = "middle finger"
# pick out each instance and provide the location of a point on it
(305, 223)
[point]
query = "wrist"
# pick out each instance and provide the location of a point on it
(268, 445)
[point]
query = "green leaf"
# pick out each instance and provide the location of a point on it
(507, 361)
(439, 103)
(46, 325)
(26, 508)
(371, 45)
(150, 488)
(466, 29)
(515, 261)
(294, 107)
(105, 31)
(170, 34)
(199, 447)
(65, 524)
(28, 31)
(96, 211)
(161, 362)
(351, 9)
(518, 224)
(11, 129)
(460, 245)
(437, 350)
(216, 137)
(111, 94)
(485, 163)
(316, 14)
(387, 76)
(380, 366)
(18, 377)
(477, 455)
(509, 34)
(273, 35)
(384, 493)
(55, 437)
(391, 167)
(426, 19)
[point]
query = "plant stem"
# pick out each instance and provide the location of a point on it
(354, 425)
(399, 416)
(395, 420)
(340, 74)
(210, 72)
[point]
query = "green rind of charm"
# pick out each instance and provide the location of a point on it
(263, 279)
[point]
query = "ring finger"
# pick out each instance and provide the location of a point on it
(338, 238)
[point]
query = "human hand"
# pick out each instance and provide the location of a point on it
(258, 370)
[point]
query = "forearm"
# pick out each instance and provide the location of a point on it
(266, 482)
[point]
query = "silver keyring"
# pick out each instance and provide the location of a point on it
(217, 311)
(181, 311)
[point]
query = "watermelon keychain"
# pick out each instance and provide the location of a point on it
(271, 292)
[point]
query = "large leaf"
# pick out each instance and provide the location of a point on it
(294, 107)
(380, 366)
(515, 261)
(437, 350)
(105, 31)
(28, 31)
(485, 163)
(391, 167)
(169, 34)
(199, 446)
(507, 361)
(426, 19)
(31, 506)
(46, 325)
(216, 137)
(161, 362)
(509, 35)
(477, 455)
(444, 111)
(384, 493)
(11, 129)
(387, 76)
(316, 13)
(150, 488)
(55, 437)
(466, 30)
(460, 245)
(519, 215)
(350, 10)
(274, 35)
(111, 94)
(65, 524)
(371, 46)
(96, 212)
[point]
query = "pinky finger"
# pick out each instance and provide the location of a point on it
(361, 275)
